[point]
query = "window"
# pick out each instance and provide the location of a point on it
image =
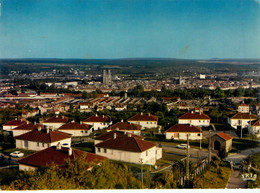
(98, 149)
(146, 153)
(81, 131)
(42, 144)
(105, 150)
(198, 134)
(86, 131)
(38, 144)
(147, 122)
(199, 121)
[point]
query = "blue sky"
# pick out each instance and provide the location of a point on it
(191, 29)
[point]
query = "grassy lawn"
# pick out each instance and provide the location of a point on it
(26, 152)
(255, 160)
(242, 144)
(212, 179)
(86, 146)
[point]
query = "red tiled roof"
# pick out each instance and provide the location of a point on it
(43, 136)
(244, 116)
(224, 136)
(184, 128)
(110, 135)
(189, 115)
(57, 119)
(51, 155)
(125, 126)
(28, 126)
(257, 123)
(94, 118)
(14, 123)
(74, 126)
(143, 117)
(131, 144)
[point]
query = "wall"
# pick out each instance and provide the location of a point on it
(97, 125)
(235, 122)
(148, 156)
(53, 125)
(145, 124)
(196, 122)
(26, 167)
(77, 133)
(183, 136)
(19, 132)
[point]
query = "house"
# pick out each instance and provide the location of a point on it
(180, 132)
(56, 155)
(129, 149)
(76, 129)
(196, 119)
(41, 139)
(120, 106)
(13, 124)
(254, 128)
(98, 122)
(25, 128)
(128, 127)
(243, 108)
(221, 141)
(86, 106)
(111, 134)
(183, 106)
(55, 122)
(144, 120)
(241, 120)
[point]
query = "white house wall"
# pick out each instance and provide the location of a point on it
(53, 125)
(148, 157)
(77, 133)
(183, 136)
(195, 122)
(145, 124)
(239, 122)
(26, 167)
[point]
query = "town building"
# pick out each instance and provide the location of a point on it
(56, 155)
(243, 108)
(76, 129)
(180, 132)
(196, 119)
(128, 127)
(129, 149)
(254, 128)
(13, 124)
(55, 122)
(25, 128)
(146, 121)
(41, 139)
(241, 120)
(98, 122)
(221, 141)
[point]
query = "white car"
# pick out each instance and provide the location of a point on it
(182, 146)
(17, 154)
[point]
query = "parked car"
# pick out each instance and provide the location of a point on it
(17, 154)
(182, 146)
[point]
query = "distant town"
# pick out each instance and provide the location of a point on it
(129, 124)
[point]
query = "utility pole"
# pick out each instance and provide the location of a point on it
(187, 163)
(210, 145)
(142, 173)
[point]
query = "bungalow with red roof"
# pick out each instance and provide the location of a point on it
(25, 128)
(144, 120)
(243, 108)
(124, 126)
(56, 155)
(111, 134)
(221, 141)
(180, 132)
(241, 120)
(55, 122)
(98, 122)
(41, 139)
(129, 149)
(254, 128)
(76, 129)
(196, 119)
(12, 124)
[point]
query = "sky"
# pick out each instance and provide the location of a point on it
(104, 29)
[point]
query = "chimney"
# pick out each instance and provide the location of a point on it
(80, 122)
(27, 122)
(128, 134)
(191, 112)
(96, 115)
(56, 116)
(103, 116)
(47, 130)
(122, 120)
(114, 137)
(39, 128)
(73, 121)
(124, 132)
(141, 113)
(62, 117)
(58, 146)
(70, 151)
(149, 114)
(117, 129)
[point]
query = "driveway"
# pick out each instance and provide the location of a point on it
(235, 181)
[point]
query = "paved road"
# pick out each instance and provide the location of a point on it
(176, 153)
(235, 181)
